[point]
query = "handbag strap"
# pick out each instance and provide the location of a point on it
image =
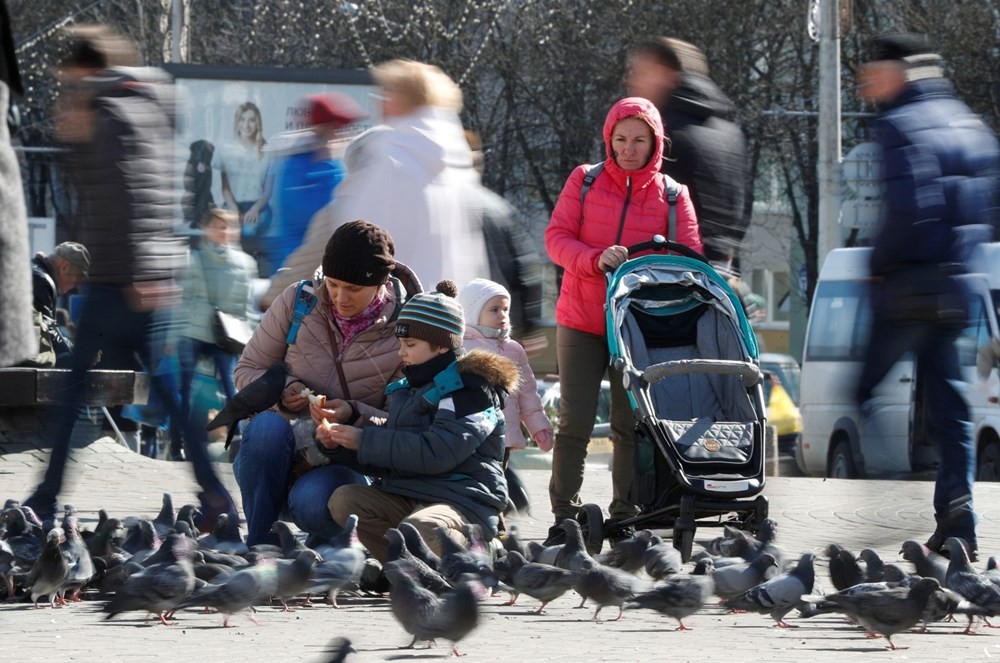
(337, 363)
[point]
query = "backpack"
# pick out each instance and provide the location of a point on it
(673, 190)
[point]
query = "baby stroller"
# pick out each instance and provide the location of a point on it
(688, 358)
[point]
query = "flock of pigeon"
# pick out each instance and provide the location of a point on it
(161, 567)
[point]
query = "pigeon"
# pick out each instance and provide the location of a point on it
(680, 596)
(225, 537)
(992, 572)
(159, 588)
(240, 591)
(964, 580)
(101, 542)
(48, 575)
(81, 566)
(290, 544)
(844, 569)
(779, 595)
(539, 581)
(205, 571)
(338, 571)
(661, 560)
(142, 540)
(456, 560)
(7, 565)
(339, 649)
(627, 554)
(427, 616)
(518, 499)
(574, 555)
(418, 547)
(733, 580)
(542, 554)
(928, 564)
(607, 586)
(165, 520)
(256, 397)
(874, 565)
(425, 575)
(186, 516)
(294, 576)
(513, 542)
(888, 611)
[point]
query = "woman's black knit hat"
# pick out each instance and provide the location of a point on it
(360, 253)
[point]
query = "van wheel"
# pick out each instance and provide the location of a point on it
(988, 463)
(841, 465)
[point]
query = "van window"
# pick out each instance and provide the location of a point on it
(838, 327)
(976, 333)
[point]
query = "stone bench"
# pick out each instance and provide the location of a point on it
(27, 393)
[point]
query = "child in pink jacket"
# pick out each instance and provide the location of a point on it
(487, 314)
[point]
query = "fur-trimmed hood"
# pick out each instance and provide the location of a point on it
(496, 369)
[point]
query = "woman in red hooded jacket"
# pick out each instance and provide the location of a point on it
(626, 204)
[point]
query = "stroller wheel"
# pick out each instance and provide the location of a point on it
(683, 542)
(592, 526)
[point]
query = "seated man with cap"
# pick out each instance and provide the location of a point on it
(52, 276)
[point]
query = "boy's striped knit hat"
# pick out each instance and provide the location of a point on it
(435, 317)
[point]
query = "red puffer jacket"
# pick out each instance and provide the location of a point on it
(622, 208)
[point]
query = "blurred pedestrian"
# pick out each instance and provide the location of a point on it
(247, 182)
(514, 261)
(117, 121)
(940, 166)
(628, 201)
(336, 337)
(407, 176)
(311, 169)
(705, 149)
(218, 279)
(18, 338)
(53, 276)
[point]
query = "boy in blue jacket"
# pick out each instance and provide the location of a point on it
(437, 461)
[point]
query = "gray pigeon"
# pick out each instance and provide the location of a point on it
(427, 616)
(6, 566)
(289, 543)
(513, 542)
(842, 574)
(542, 554)
(159, 588)
(48, 575)
(294, 576)
(539, 581)
(964, 580)
(339, 570)
(680, 596)
(607, 586)
(81, 566)
(928, 564)
(142, 540)
(734, 580)
(627, 554)
(240, 591)
(874, 565)
(186, 515)
(256, 397)
(225, 537)
(418, 547)
(456, 560)
(166, 519)
(887, 611)
(339, 649)
(101, 543)
(661, 560)
(425, 575)
(781, 594)
(574, 555)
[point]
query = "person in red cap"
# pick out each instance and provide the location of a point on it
(309, 177)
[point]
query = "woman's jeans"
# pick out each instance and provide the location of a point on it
(262, 468)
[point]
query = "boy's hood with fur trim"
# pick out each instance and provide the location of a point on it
(495, 369)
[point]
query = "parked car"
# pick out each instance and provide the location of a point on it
(893, 441)
(781, 394)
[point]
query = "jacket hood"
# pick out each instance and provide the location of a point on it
(699, 96)
(149, 82)
(646, 111)
(496, 369)
(431, 137)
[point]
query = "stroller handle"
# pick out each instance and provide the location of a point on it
(750, 373)
(660, 243)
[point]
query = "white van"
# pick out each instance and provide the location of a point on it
(895, 442)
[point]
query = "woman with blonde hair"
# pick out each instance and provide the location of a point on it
(411, 175)
(246, 181)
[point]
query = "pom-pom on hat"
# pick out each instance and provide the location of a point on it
(435, 317)
(360, 253)
(474, 295)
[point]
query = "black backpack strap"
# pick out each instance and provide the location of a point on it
(305, 302)
(588, 180)
(673, 191)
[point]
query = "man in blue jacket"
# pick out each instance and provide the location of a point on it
(940, 164)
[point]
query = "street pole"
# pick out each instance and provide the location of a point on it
(828, 168)
(176, 21)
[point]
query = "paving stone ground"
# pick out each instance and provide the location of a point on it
(810, 513)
